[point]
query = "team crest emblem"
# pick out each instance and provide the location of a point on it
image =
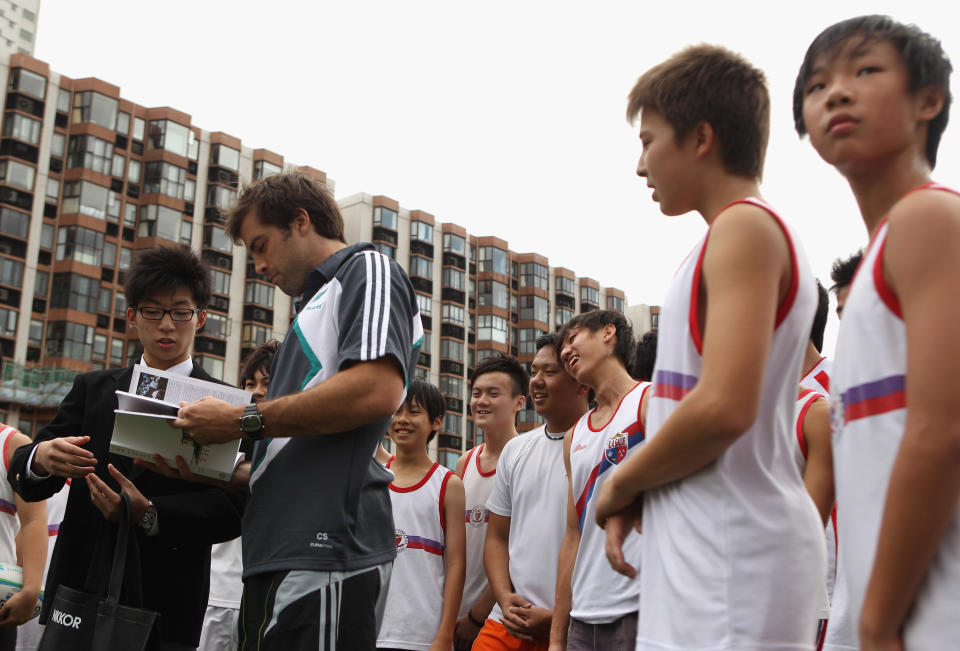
(477, 515)
(400, 537)
(616, 448)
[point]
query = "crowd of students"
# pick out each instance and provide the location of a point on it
(725, 487)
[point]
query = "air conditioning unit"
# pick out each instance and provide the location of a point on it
(259, 315)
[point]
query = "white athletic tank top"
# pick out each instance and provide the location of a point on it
(9, 523)
(414, 605)
(818, 378)
(477, 485)
(600, 595)
(869, 417)
(733, 555)
(806, 398)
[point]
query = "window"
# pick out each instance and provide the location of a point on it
(262, 169)
(451, 423)
(63, 100)
(123, 123)
(93, 107)
(28, 82)
(259, 294)
(119, 163)
(493, 259)
(454, 243)
(451, 349)
(452, 314)
(35, 336)
(164, 178)
(528, 340)
(8, 322)
(120, 304)
(386, 249)
(491, 328)
(453, 278)
(75, 292)
(216, 238)
(133, 171)
(105, 300)
(17, 174)
(255, 335)
(14, 222)
(167, 135)
(58, 145)
(226, 157)
(425, 303)
(565, 285)
(68, 339)
(138, 127)
(451, 386)
(534, 275)
(421, 231)
(217, 325)
(46, 236)
(109, 254)
(615, 303)
(85, 198)
(562, 315)
(211, 365)
(220, 282)
(493, 293)
(41, 284)
(22, 128)
(116, 351)
(421, 267)
(220, 196)
(91, 153)
(79, 244)
(425, 342)
(126, 255)
(385, 217)
(159, 221)
(590, 295)
(534, 307)
(130, 215)
(655, 321)
(484, 353)
(99, 346)
(11, 272)
(53, 189)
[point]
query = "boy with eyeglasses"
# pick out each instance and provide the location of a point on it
(167, 290)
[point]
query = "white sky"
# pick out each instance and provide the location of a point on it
(506, 117)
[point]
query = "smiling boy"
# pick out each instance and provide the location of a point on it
(873, 95)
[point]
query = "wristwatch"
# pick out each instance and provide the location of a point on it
(251, 422)
(149, 517)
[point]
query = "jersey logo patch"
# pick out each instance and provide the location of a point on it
(616, 448)
(400, 536)
(477, 515)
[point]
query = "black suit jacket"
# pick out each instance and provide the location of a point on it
(175, 564)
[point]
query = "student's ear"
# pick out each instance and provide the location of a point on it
(519, 402)
(201, 318)
(704, 139)
(131, 318)
(436, 424)
(609, 332)
(302, 222)
(931, 100)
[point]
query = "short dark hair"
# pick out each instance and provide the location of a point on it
(259, 359)
(163, 270)
(595, 320)
(927, 65)
(549, 339)
(645, 358)
(843, 270)
(707, 83)
(820, 317)
(277, 199)
(428, 397)
(498, 362)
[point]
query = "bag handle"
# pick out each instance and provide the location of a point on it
(124, 542)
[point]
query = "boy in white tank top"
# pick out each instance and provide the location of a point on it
(497, 393)
(427, 500)
(596, 608)
(733, 553)
(873, 95)
(527, 508)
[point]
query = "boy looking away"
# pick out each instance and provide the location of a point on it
(527, 509)
(733, 554)
(873, 95)
(427, 502)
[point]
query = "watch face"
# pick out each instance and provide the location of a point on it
(251, 423)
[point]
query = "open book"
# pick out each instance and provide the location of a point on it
(141, 426)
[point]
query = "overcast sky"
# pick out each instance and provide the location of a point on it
(504, 117)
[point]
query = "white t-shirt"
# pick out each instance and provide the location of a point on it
(531, 489)
(226, 574)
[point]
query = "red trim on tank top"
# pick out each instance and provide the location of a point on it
(886, 293)
(410, 489)
(800, 418)
(784, 308)
(443, 492)
(622, 398)
(479, 469)
(466, 462)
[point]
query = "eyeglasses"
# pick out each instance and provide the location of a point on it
(157, 313)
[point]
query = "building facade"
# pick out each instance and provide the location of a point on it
(18, 26)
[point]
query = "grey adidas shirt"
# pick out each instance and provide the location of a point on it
(321, 502)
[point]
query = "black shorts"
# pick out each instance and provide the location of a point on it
(308, 610)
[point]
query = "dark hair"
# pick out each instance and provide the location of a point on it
(842, 271)
(645, 358)
(163, 270)
(428, 397)
(549, 339)
(706, 83)
(820, 317)
(498, 362)
(595, 320)
(277, 199)
(927, 65)
(259, 359)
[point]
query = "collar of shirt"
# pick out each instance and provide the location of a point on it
(183, 368)
(326, 270)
